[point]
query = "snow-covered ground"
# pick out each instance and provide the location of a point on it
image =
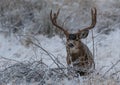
(107, 52)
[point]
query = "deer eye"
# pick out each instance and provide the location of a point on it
(72, 37)
(84, 34)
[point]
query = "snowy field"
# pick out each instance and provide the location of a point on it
(107, 54)
(21, 53)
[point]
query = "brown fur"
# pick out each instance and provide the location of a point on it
(83, 56)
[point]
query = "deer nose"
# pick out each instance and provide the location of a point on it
(71, 45)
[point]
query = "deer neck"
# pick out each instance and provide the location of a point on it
(82, 49)
(79, 50)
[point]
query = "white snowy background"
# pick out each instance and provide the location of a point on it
(16, 46)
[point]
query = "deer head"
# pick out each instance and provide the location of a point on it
(76, 50)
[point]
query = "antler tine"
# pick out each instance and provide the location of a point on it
(55, 15)
(94, 15)
(53, 18)
(58, 12)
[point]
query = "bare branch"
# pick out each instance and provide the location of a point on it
(111, 68)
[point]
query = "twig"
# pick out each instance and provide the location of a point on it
(10, 67)
(93, 43)
(93, 47)
(45, 52)
(51, 56)
(111, 68)
(115, 73)
(39, 45)
(10, 59)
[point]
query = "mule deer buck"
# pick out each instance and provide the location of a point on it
(78, 54)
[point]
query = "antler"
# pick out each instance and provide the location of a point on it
(53, 18)
(94, 15)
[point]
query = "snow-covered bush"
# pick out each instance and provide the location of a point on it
(38, 73)
(24, 17)
(32, 17)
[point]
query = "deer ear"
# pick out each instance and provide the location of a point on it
(84, 34)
